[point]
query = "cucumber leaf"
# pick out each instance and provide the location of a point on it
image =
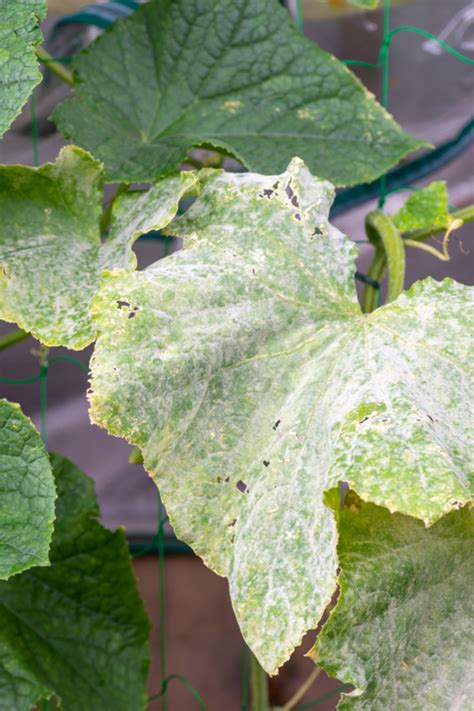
(401, 632)
(51, 254)
(76, 630)
(27, 494)
(424, 208)
(253, 384)
(19, 73)
(232, 74)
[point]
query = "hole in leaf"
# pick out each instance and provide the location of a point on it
(268, 192)
(292, 196)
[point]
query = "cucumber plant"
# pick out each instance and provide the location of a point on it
(302, 443)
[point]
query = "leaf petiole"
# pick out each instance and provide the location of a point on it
(258, 685)
(10, 339)
(305, 686)
(410, 239)
(56, 67)
(389, 251)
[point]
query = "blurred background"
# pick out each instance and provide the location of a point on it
(431, 95)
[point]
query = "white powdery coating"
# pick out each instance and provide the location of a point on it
(245, 371)
(401, 632)
(51, 254)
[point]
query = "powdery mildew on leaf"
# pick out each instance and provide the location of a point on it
(51, 254)
(27, 494)
(76, 630)
(19, 73)
(401, 632)
(253, 384)
(233, 74)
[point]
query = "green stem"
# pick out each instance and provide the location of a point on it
(56, 67)
(389, 251)
(375, 272)
(302, 690)
(379, 261)
(107, 214)
(258, 685)
(13, 337)
(466, 214)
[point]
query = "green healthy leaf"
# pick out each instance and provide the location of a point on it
(424, 208)
(252, 383)
(233, 74)
(27, 493)
(51, 255)
(19, 73)
(402, 629)
(76, 630)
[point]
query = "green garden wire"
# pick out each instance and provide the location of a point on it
(158, 542)
(186, 683)
(34, 130)
(383, 64)
(42, 378)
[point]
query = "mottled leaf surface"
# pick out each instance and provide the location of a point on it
(252, 383)
(234, 74)
(27, 493)
(51, 254)
(19, 73)
(402, 631)
(76, 630)
(424, 208)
